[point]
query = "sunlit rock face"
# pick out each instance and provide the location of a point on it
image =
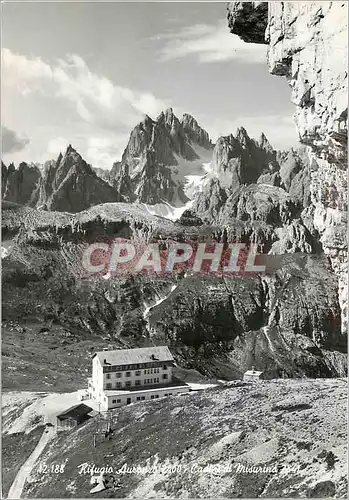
(308, 45)
(158, 156)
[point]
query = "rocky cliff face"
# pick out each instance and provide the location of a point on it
(194, 133)
(219, 326)
(158, 156)
(262, 189)
(237, 160)
(70, 184)
(102, 173)
(20, 185)
(66, 184)
(308, 45)
(241, 160)
(4, 175)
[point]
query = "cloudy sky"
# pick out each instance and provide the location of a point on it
(85, 74)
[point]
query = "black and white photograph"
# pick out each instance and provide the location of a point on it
(174, 249)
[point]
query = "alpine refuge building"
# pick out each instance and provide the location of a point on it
(72, 417)
(126, 376)
(253, 375)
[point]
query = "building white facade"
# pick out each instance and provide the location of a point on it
(253, 375)
(130, 375)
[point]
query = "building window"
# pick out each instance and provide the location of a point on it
(118, 385)
(128, 374)
(108, 386)
(118, 400)
(128, 384)
(137, 373)
(114, 401)
(137, 382)
(143, 398)
(145, 372)
(138, 398)
(164, 367)
(170, 394)
(152, 396)
(165, 376)
(118, 375)
(157, 395)
(108, 375)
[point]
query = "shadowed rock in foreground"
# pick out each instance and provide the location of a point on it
(308, 44)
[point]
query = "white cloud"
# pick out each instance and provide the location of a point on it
(103, 151)
(11, 142)
(99, 150)
(24, 74)
(57, 145)
(95, 98)
(210, 43)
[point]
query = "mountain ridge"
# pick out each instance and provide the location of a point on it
(155, 154)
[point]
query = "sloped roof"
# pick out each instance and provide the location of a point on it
(135, 356)
(254, 373)
(75, 411)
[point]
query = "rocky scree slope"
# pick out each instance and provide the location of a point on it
(308, 44)
(244, 425)
(285, 322)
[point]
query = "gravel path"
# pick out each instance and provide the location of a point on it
(25, 470)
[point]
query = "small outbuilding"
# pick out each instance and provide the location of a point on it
(253, 375)
(73, 417)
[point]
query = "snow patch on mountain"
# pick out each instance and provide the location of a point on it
(192, 183)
